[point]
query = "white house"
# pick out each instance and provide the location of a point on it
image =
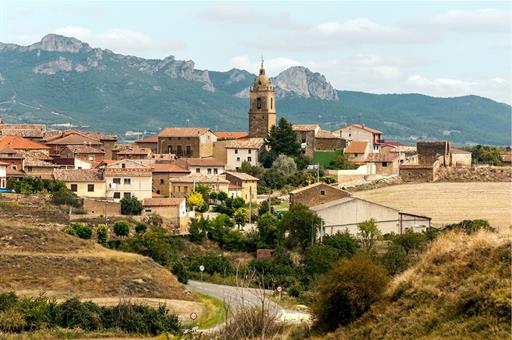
(3, 175)
(346, 213)
(203, 166)
(126, 178)
(359, 132)
(461, 157)
(243, 150)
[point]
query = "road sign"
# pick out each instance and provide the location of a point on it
(201, 268)
(193, 316)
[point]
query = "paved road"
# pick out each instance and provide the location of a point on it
(236, 297)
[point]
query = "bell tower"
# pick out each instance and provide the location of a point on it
(262, 106)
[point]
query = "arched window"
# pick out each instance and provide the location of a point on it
(271, 102)
(258, 102)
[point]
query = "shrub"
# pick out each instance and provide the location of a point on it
(302, 225)
(65, 197)
(369, 234)
(347, 291)
(102, 233)
(179, 269)
(241, 217)
(140, 228)
(319, 258)
(195, 200)
(121, 228)
(198, 230)
(470, 226)
(395, 259)
(80, 230)
(222, 196)
(411, 242)
(155, 244)
(328, 179)
(344, 243)
(131, 206)
(212, 263)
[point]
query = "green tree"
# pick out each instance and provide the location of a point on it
(319, 258)
(80, 230)
(395, 259)
(195, 200)
(284, 165)
(268, 231)
(280, 140)
(141, 228)
(222, 196)
(250, 169)
(121, 228)
(369, 234)
(241, 217)
(198, 229)
(486, 154)
(179, 269)
(470, 226)
(347, 291)
(346, 244)
(102, 234)
(272, 179)
(131, 206)
(302, 225)
(237, 202)
(341, 162)
(64, 196)
(204, 190)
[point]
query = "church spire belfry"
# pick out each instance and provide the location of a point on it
(262, 110)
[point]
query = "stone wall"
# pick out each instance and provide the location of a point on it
(475, 174)
(329, 144)
(97, 207)
(429, 152)
(417, 173)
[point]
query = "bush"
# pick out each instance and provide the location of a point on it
(65, 197)
(302, 225)
(80, 230)
(347, 291)
(470, 226)
(319, 258)
(140, 228)
(162, 248)
(131, 206)
(212, 263)
(198, 230)
(121, 228)
(410, 241)
(179, 269)
(195, 200)
(102, 234)
(344, 243)
(369, 234)
(395, 259)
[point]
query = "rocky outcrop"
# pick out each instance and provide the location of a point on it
(60, 64)
(300, 81)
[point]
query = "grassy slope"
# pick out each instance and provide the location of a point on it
(459, 289)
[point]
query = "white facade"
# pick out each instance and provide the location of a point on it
(353, 133)
(206, 169)
(3, 176)
(235, 157)
(81, 164)
(127, 178)
(461, 159)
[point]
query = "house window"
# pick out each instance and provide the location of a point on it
(14, 167)
(238, 159)
(179, 150)
(215, 171)
(127, 195)
(189, 150)
(249, 151)
(322, 192)
(116, 181)
(123, 166)
(198, 170)
(271, 102)
(209, 171)
(185, 189)
(169, 149)
(385, 164)
(236, 151)
(117, 195)
(90, 187)
(74, 187)
(249, 159)
(258, 103)
(161, 181)
(127, 181)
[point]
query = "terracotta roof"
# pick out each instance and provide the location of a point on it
(381, 157)
(199, 178)
(242, 175)
(7, 150)
(506, 157)
(162, 202)
(395, 144)
(169, 167)
(356, 147)
(53, 135)
(305, 127)
(39, 154)
(23, 130)
(361, 126)
(84, 149)
(20, 143)
(454, 150)
(77, 175)
(209, 161)
(318, 184)
(37, 163)
(231, 134)
(134, 172)
(150, 139)
(183, 132)
(14, 173)
(325, 134)
(248, 143)
(74, 139)
(134, 151)
(162, 156)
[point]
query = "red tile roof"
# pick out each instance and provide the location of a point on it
(134, 151)
(74, 139)
(231, 134)
(150, 139)
(393, 144)
(325, 134)
(162, 202)
(361, 126)
(169, 167)
(20, 143)
(183, 132)
(247, 143)
(84, 149)
(78, 175)
(356, 147)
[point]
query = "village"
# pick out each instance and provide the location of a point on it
(161, 171)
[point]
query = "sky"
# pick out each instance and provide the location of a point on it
(436, 48)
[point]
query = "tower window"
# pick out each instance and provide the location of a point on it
(271, 102)
(258, 102)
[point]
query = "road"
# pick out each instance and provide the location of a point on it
(237, 297)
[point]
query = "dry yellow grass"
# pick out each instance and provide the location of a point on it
(449, 202)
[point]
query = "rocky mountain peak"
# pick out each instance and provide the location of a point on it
(299, 80)
(59, 43)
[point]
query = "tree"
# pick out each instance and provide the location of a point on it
(268, 231)
(198, 229)
(238, 202)
(80, 230)
(131, 206)
(204, 190)
(141, 228)
(302, 225)
(347, 291)
(486, 154)
(102, 233)
(369, 233)
(179, 269)
(272, 179)
(280, 140)
(250, 169)
(241, 217)
(344, 243)
(195, 200)
(395, 259)
(222, 196)
(121, 228)
(284, 165)
(64, 196)
(341, 162)
(470, 226)
(319, 258)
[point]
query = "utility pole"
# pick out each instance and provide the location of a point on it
(250, 205)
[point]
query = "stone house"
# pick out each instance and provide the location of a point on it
(243, 150)
(84, 183)
(312, 138)
(172, 210)
(162, 175)
(187, 142)
(58, 140)
(460, 157)
(429, 152)
(247, 184)
(183, 185)
(346, 213)
(316, 194)
(34, 132)
(150, 142)
(38, 168)
(357, 151)
(130, 152)
(83, 152)
(203, 166)
(11, 157)
(126, 178)
(406, 153)
(359, 132)
(385, 163)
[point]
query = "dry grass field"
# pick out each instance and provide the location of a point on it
(449, 202)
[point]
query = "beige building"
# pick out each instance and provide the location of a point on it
(346, 213)
(172, 210)
(357, 151)
(126, 178)
(182, 186)
(461, 157)
(203, 166)
(243, 150)
(262, 106)
(245, 185)
(187, 142)
(312, 138)
(162, 175)
(359, 132)
(3, 174)
(316, 194)
(386, 164)
(84, 183)
(150, 142)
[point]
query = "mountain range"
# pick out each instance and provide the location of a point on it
(65, 82)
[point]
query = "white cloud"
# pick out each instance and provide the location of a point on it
(482, 20)
(440, 86)
(121, 40)
(272, 66)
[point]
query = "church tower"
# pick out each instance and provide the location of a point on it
(262, 106)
